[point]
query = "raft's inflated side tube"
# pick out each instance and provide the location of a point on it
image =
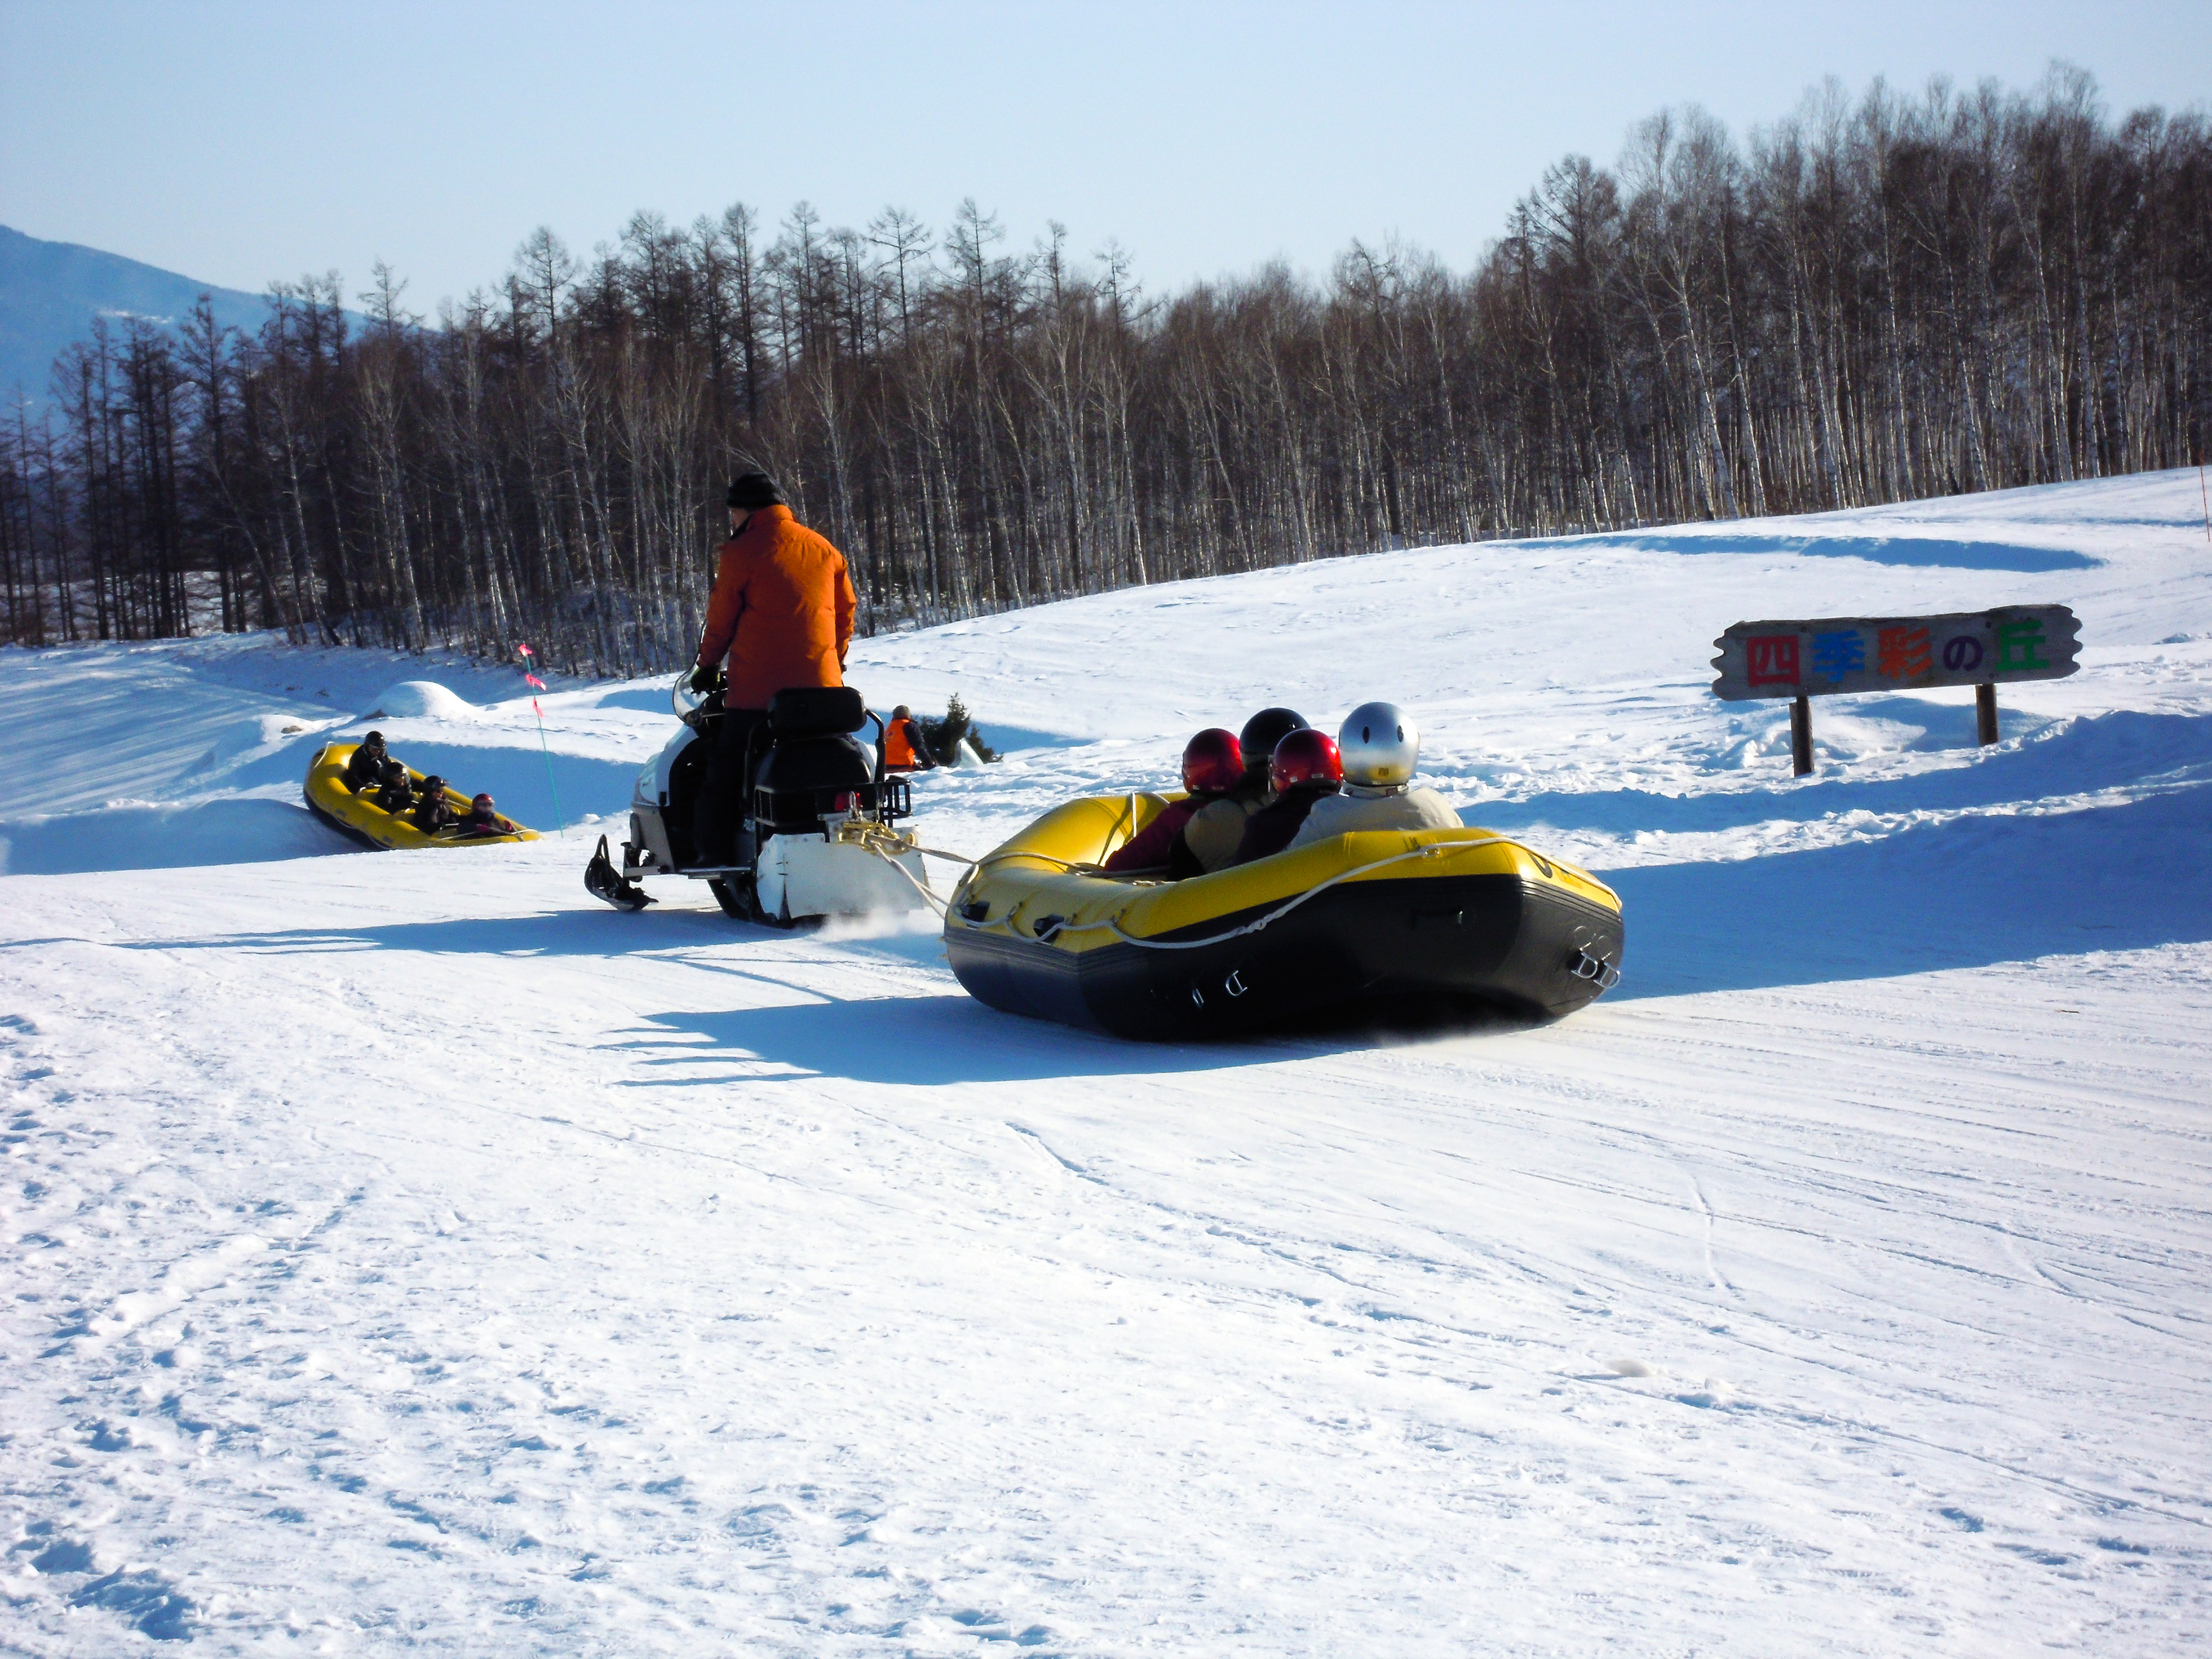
(360, 816)
(1462, 914)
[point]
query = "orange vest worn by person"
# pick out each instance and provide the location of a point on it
(781, 611)
(902, 746)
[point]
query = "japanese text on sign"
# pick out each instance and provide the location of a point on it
(1843, 654)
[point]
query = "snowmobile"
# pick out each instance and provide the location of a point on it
(819, 820)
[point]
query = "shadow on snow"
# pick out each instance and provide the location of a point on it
(1967, 893)
(925, 1040)
(1909, 551)
(2076, 757)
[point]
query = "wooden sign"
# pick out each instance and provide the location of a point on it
(1840, 655)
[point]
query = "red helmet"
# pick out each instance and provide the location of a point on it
(1304, 756)
(1212, 762)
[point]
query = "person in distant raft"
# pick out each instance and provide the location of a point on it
(781, 614)
(432, 812)
(396, 794)
(365, 769)
(482, 820)
(904, 748)
(1380, 746)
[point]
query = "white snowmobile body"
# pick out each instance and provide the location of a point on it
(822, 814)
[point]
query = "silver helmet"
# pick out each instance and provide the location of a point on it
(1380, 744)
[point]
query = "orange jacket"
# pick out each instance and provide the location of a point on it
(903, 750)
(782, 609)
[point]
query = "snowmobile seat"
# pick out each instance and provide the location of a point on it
(801, 780)
(816, 711)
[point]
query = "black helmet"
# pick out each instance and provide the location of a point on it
(1264, 731)
(434, 783)
(373, 741)
(394, 772)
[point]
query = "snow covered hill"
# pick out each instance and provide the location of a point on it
(407, 1254)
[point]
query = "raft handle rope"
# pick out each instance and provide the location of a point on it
(1434, 849)
(868, 835)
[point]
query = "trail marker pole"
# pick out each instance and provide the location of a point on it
(2204, 495)
(561, 815)
(1800, 737)
(1985, 713)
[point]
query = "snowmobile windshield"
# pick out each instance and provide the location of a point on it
(683, 701)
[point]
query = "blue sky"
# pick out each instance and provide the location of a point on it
(237, 142)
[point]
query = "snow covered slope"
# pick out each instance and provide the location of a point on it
(407, 1254)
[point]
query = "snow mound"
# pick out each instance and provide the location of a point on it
(421, 700)
(252, 735)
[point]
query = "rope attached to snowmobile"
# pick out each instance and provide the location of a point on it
(887, 843)
(1281, 910)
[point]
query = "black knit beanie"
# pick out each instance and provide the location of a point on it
(754, 490)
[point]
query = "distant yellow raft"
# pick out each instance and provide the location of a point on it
(360, 816)
(1374, 917)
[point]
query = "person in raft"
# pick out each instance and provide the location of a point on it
(481, 820)
(1212, 765)
(365, 771)
(781, 614)
(904, 748)
(433, 812)
(1304, 768)
(1217, 830)
(1380, 746)
(395, 794)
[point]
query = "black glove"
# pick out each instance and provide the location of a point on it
(703, 677)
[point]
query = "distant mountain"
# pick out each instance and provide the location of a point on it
(50, 292)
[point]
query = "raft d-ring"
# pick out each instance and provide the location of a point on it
(1235, 984)
(1603, 973)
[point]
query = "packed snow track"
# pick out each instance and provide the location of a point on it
(409, 1256)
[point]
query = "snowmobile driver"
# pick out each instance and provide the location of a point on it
(1380, 746)
(781, 614)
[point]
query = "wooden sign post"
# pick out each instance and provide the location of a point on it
(1838, 656)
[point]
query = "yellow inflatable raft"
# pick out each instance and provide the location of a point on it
(360, 816)
(1367, 918)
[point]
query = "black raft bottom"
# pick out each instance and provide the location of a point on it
(1416, 949)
